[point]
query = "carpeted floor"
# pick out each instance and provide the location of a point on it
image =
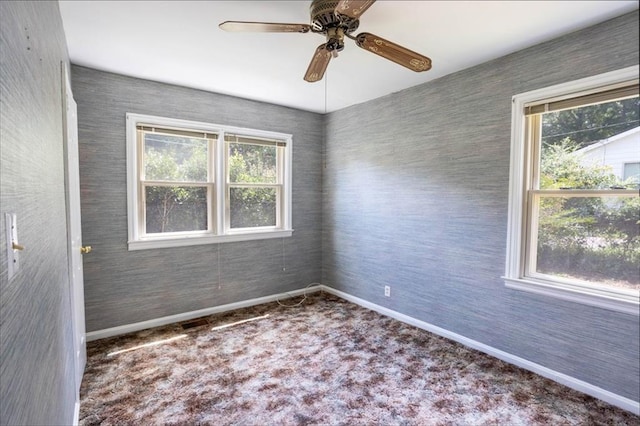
(326, 362)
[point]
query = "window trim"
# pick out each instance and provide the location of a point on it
(216, 232)
(519, 182)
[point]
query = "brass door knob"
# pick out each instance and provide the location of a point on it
(85, 249)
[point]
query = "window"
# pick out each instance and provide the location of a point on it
(254, 182)
(631, 172)
(197, 183)
(573, 216)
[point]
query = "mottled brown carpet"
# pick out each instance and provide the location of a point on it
(325, 362)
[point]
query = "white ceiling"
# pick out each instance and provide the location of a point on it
(179, 42)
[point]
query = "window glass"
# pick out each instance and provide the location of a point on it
(253, 207)
(593, 239)
(584, 148)
(251, 163)
(175, 209)
(174, 158)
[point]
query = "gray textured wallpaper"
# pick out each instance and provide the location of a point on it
(415, 197)
(36, 346)
(123, 287)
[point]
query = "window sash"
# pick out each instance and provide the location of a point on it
(280, 160)
(211, 139)
(142, 208)
(533, 193)
(280, 146)
(253, 140)
(585, 192)
(161, 130)
(141, 131)
(530, 264)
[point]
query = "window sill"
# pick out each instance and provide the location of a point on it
(183, 241)
(600, 298)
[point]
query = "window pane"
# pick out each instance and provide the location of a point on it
(632, 173)
(252, 207)
(175, 158)
(593, 239)
(586, 147)
(252, 163)
(175, 209)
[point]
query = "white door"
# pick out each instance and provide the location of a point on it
(72, 183)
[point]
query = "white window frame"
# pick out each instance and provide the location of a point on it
(218, 231)
(621, 300)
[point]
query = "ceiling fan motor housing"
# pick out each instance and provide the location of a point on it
(323, 17)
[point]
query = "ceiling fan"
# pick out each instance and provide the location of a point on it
(336, 20)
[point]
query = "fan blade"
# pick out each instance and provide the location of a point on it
(318, 64)
(353, 8)
(393, 52)
(264, 27)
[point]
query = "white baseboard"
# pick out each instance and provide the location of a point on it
(128, 328)
(571, 382)
(76, 414)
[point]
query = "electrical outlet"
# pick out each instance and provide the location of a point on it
(387, 291)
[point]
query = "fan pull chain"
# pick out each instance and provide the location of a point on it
(324, 139)
(326, 77)
(219, 274)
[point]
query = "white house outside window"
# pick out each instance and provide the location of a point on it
(198, 183)
(574, 213)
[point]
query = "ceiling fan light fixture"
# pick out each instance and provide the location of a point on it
(335, 39)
